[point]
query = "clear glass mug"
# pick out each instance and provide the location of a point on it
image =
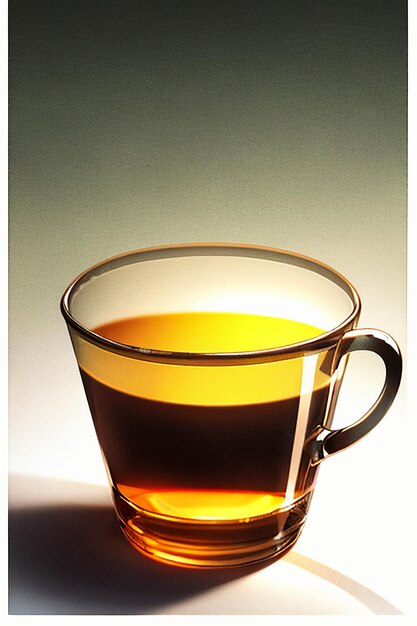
(212, 373)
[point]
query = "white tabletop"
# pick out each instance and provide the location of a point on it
(69, 557)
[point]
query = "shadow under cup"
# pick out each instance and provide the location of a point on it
(212, 373)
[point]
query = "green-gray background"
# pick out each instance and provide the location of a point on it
(137, 123)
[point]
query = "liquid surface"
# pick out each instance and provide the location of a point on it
(207, 332)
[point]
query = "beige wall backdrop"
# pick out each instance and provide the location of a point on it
(140, 123)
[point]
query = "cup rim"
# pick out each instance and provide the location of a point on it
(308, 347)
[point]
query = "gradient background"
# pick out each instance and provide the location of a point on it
(138, 123)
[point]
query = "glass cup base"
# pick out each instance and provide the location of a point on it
(212, 543)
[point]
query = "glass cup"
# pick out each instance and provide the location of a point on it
(212, 373)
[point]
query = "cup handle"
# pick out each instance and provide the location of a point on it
(324, 441)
